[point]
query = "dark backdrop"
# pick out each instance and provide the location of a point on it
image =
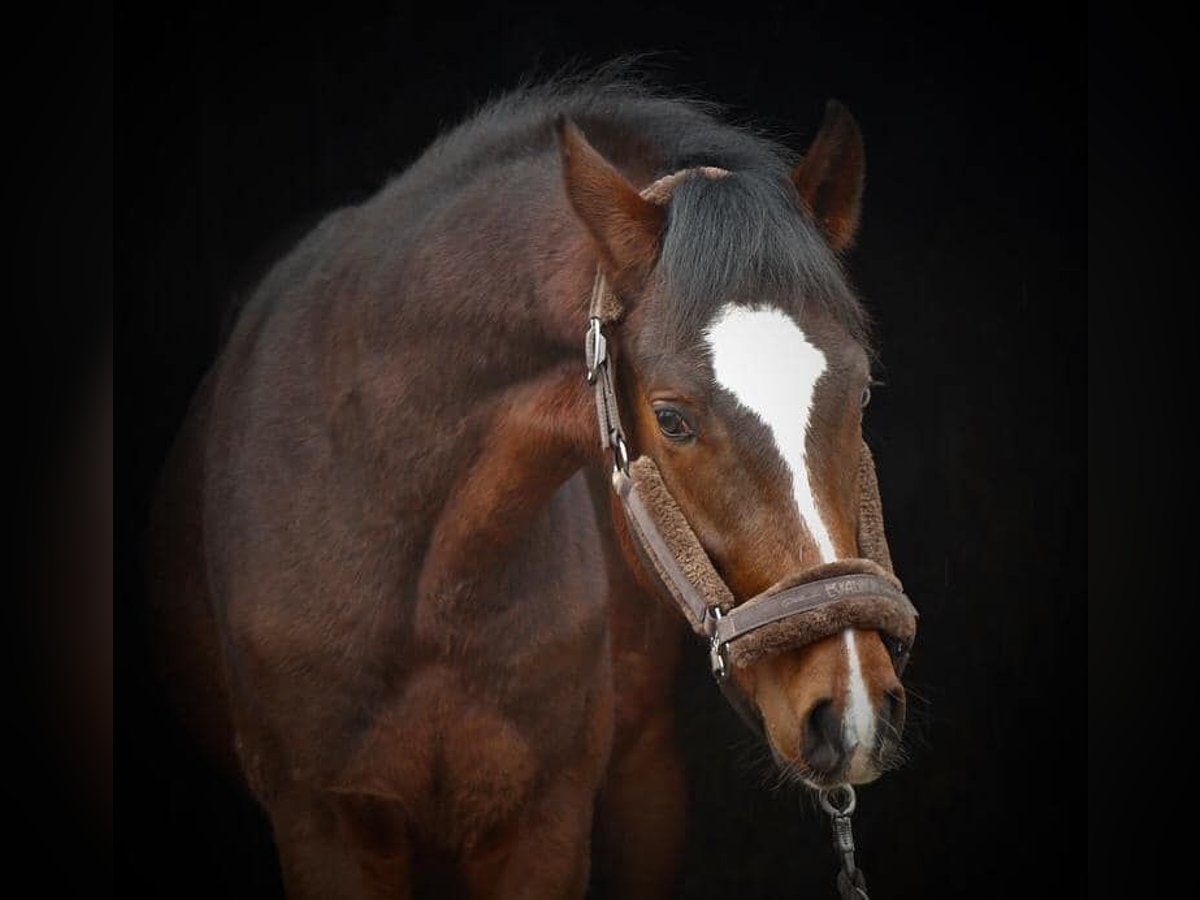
(235, 127)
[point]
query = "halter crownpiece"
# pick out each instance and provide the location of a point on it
(817, 603)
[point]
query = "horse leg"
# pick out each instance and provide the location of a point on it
(334, 845)
(641, 810)
(544, 848)
(641, 813)
(545, 852)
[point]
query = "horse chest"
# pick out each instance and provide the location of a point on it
(514, 678)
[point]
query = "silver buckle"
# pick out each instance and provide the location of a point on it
(596, 349)
(716, 650)
(620, 453)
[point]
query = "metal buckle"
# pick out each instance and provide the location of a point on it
(596, 349)
(716, 650)
(827, 796)
(850, 880)
(620, 453)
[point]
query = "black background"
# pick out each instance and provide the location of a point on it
(233, 128)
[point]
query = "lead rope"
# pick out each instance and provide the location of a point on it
(851, 883)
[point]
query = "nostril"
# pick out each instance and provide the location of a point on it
(825, 750)
(891, 712)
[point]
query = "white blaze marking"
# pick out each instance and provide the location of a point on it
(763, 358)
(858, 723)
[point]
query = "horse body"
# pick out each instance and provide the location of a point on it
(385, 564)
(402, 559)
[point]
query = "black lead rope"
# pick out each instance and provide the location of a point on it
(839, 803)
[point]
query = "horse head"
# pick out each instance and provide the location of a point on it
(743, 368)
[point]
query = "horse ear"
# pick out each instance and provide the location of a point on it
(626, 227)
(831, 175)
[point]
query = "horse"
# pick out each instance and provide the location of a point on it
(394, 593)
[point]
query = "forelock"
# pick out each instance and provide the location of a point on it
(742, 238)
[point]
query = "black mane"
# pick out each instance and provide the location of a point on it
(738, 239)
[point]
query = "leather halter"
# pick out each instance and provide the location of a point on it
(863, 593)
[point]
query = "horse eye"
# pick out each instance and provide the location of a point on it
(866, 396)
(896, 647)
(672, 424)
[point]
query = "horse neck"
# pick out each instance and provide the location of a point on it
(486, 351)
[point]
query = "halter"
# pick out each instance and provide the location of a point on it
(817, 603)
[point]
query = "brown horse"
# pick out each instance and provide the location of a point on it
(394, 589)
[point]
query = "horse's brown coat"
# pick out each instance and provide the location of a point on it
(385, 562)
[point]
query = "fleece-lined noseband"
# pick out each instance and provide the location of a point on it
(817, 603)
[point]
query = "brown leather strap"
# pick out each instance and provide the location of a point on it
(872, 543)
(767, 609)
(654, 546)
